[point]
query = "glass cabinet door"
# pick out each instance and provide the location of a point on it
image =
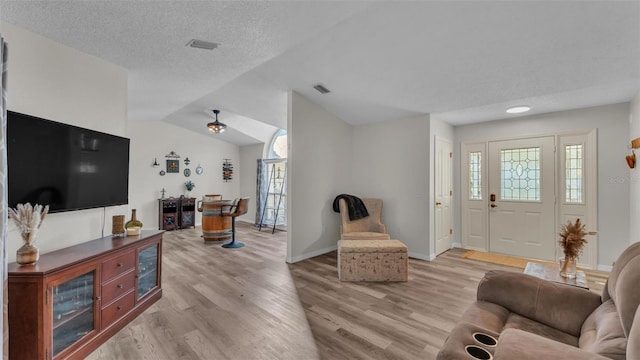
(73, 310)
(147, 270)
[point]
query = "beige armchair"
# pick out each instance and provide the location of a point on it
(367, 228)
(537, 319)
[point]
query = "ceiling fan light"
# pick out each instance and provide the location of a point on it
(216, 127)
(518, 109)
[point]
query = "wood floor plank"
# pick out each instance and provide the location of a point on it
(248, 304)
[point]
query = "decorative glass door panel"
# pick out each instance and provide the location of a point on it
(147, 270)
(73, 310)
(520, 174)
(522, 197)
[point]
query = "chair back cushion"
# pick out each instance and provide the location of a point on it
(370, 223)
(242, 207)
(633, 344)
(622, 285)
(602, 332)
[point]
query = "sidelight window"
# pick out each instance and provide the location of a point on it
(475, 175)
(574, 165)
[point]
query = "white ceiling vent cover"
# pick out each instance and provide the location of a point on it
(201, 44)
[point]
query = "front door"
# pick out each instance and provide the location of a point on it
(522, 197)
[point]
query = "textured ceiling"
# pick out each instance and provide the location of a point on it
(462, 62)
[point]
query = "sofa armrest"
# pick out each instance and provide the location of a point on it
(560, 306)
(521, 345)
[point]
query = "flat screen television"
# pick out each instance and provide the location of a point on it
(64, 166)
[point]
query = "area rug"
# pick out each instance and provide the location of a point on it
(501, 259)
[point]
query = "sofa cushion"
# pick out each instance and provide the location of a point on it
(516, 344)
(626, 256)
(365, 235)
(633, 344)
(602, 332)
(496, 318)
(559, 306)
(515, 321)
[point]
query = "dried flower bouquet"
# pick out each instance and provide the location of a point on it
(572, 239)
(28, 219)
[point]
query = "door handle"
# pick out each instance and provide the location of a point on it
(438, 203)
(493, 205)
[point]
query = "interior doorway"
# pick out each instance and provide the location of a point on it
(443, 194)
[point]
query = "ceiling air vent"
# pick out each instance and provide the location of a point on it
(321, 89)
(201, 44)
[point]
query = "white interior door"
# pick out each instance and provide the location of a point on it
(522, 197)
(443, 194)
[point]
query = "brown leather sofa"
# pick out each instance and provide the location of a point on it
(537, 319)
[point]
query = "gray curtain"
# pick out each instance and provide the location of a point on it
(262, 187)
(4, 334)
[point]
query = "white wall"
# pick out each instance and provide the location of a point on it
(156, 139)
(55, 82)
(613, 188)
(390, 161)
(319, 169)
(249, 170)
(634, 174)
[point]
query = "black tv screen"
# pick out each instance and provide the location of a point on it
(64, 166)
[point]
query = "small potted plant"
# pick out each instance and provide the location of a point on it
(28, 219)
(572, 241)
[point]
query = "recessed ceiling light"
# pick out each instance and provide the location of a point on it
(518, 109)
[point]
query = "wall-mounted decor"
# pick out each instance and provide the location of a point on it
(155, 162)
(173, 166)
(162, 172)
(227, 170)
(631, 159)
(187, 161)
(187, 172)
(172, 155)
(199, 170)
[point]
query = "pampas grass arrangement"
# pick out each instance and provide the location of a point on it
(28, 219)
(572, 239)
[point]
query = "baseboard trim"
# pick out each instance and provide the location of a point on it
(311, 254)
(474, 248)
(419, 256)
(606, 268)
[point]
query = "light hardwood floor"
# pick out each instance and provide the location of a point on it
(248, 303)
